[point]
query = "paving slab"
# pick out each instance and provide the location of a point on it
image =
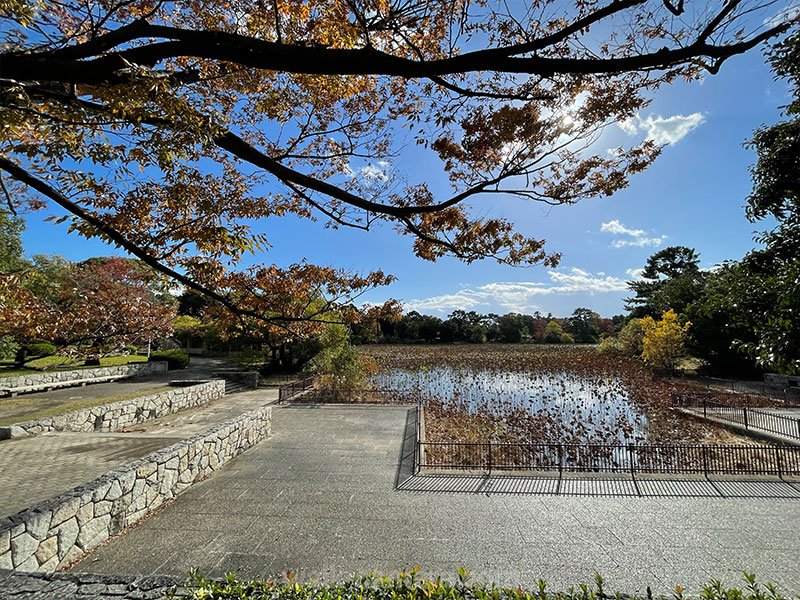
(199, 368)
(39, 467)
(36, 468)
(333, 492)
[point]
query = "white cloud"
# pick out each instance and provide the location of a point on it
(634, 237)
(519, 296)
(663, 130)
(635, 274)
(376, 172)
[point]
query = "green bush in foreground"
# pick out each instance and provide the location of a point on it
(176, 359)
(411, 586)
(41, 349)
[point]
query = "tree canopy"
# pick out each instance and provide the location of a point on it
(94, 307)
(163, 126)
(671, 280)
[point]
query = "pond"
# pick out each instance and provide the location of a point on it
(551, 407)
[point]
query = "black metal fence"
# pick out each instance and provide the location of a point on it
(605, 458)
(359, 396)
(754, 390)
(292, 389)
(750, 418)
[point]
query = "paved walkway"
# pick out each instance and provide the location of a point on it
(199, 368)
(332, 493)
(781, 426)
(37, 468)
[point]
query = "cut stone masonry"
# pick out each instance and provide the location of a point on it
(118, 415)
(56, 532)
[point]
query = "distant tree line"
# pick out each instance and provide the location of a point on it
(584, 327)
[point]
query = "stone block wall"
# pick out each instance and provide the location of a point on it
(86, 586)
(45, 377)
(250, 379)
(118, 415)
(776, 380)
(56, 532)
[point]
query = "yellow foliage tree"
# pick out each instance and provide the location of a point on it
(663, 341)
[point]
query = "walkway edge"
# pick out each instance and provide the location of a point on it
(114, 416)
(56, 532)
(737, 428)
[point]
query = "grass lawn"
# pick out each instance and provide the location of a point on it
(67, 363)
(34, 406)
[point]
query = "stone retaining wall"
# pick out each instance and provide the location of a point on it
(84, 586)
(118, 415)
(45, 377)
(54, 533)
(249, 378)
(776, 380)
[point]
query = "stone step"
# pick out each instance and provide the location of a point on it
(234, 387)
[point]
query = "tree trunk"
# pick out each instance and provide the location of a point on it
(20, 357)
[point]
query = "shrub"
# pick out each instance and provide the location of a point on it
(631, 337)
(611, 346)
(8, 347)
(566, 338)
(339, 362)
(410, 586)
(131, 349)
(41, 349)
(664, 340)
(176, 359)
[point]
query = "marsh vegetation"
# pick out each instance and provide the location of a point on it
(536, 394)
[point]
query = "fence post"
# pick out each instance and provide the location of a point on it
(705, 461)
(705, 403)
(778, 461)
(560, 460)
(745, 416)
(798, 427)
(630, 458)
(490, 457)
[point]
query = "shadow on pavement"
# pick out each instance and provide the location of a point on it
(572, 484)
(600, 485)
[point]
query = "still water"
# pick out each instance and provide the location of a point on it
(598, 407)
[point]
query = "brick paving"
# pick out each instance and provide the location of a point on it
(332, 493)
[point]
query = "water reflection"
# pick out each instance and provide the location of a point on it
(599, 407)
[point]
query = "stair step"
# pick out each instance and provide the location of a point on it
(234, 387)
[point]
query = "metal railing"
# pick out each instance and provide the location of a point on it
(611, 458)
(360, 396)
(294, 388)
(605, 458)
(755, 419)
(789, 395)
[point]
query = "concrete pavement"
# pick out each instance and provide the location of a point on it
(332, 492)
(199, 368)
(37, 468)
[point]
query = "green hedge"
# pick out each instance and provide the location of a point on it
(410, 586)
(41, 349)
(176, 359)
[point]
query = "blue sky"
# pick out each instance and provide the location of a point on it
(693, 195)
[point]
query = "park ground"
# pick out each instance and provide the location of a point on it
(333, 492)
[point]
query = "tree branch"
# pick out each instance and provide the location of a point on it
(261, 54)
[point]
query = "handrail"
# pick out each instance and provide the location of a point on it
(294, 388)
(613, 458)
(756, 419)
